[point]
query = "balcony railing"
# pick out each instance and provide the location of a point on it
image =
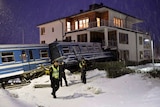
(125, 25)
(112, 43)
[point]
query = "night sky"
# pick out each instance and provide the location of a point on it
(19, 18)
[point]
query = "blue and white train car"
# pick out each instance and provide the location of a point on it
(18, 59)
(72, 52)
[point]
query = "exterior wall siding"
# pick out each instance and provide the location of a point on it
(50, 35)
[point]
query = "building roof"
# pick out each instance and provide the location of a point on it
(92, 7)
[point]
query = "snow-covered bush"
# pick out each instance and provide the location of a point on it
(114, 69)
(154, 73)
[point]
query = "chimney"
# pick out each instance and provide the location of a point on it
(95, 6)
(81, 11)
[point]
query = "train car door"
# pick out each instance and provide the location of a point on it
(26, 59)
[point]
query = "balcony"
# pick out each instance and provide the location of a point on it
(110, 23)
(127, 25)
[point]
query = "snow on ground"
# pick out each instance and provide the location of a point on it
(131, 90)
(146, 68)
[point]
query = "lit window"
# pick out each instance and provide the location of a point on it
(80, 24)
(76, 25)
(118, 22)
(83, 23)
(68, 26)
(98, 22)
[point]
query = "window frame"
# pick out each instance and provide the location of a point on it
(7, 57)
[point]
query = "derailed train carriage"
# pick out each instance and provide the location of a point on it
(22, 60)
(72, 52)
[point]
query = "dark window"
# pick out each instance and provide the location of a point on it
(140, 40)
(65, 49)
(43, 42)
(82, 38)
(124, 55)
(43, 53)
(84, 49)
(52, 29)
(123, 38)
(42, 30)
(30, 54)
(68, 39)
(7, 57)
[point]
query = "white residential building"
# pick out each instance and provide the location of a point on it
(112, 28)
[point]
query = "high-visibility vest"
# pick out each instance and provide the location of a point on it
(55, 72)
(82, 63)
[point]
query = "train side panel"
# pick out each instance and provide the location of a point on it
(15, 61)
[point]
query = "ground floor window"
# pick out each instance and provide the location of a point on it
(123, 38)
(124, 55)
(96, 37)
(112, 38)
(43, 42)
(82, 38)
(141, 54)
(68, 39)
(147, 54)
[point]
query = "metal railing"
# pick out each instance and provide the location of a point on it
(126, 25)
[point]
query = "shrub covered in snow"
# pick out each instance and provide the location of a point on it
(114, 69)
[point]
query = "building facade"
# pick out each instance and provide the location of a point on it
(112, 28)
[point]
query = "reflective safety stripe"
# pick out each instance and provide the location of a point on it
(82, 63)
(55, 73)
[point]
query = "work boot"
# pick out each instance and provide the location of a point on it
(54, 96)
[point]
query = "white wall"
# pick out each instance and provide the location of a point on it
(131, 46)
(50, 36)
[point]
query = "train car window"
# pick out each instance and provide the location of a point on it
(44, 53)
(97, 48)
(7, 57)
(30, 54)
(65, 49)
(76, 49)
(24, 56)
(90, 48)
(84, 49)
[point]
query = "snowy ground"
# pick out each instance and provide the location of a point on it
(132, 90)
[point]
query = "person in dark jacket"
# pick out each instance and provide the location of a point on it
(82, 65)
(62, 73)
(54, 77)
